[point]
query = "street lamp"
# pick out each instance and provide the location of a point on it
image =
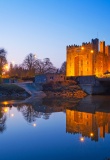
(82, 48)
(6, 67)
(91, 134)
(92, 51)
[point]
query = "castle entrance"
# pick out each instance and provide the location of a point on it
(78, 66)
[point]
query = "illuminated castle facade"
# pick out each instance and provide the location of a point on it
(91, 58)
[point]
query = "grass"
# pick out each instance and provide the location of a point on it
(10, 88)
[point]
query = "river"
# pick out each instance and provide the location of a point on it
(55, 129)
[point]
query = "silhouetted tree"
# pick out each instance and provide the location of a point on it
(30, 63)
(37, 66)
(44, 66)
(28, 113)
(3, 60)
(17, 71)
(63, 68)
(11, 70)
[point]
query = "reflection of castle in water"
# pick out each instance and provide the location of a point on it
(88, 124)
(89, 116)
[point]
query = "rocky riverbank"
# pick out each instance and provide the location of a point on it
(66, 89)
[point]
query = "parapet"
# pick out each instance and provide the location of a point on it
(73, 46)
(85, 43)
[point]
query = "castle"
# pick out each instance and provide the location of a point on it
(91, 58)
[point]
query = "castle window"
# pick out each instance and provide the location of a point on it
(81, 62)
(51, 77)
(87, 62)
(87, 69)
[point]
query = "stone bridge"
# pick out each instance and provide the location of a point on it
(32, 88)
(94, 85)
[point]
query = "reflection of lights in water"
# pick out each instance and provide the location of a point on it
(34, 124)
(91, 134)
(12, 115)
(82, 139)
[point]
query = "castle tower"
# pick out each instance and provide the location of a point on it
(86, 60)
(107, 50)
(102, 46)
(80, 59)
(95, 44)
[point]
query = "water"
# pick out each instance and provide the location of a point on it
(53, 130)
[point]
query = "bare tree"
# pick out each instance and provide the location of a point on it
(30, 63)
(37, 66)
(44, 66)
(63, 68)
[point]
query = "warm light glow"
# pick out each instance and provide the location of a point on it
(34, 124)
(82, 139)
(91, 134)
(6, 67)
(92, 51)
(82, 48)
(5, 102)
(5, 110)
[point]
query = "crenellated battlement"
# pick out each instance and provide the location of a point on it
(86, 43)
(73, 46)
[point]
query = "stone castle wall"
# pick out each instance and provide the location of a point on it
(87, 60)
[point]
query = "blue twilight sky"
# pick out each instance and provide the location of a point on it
(46, 27)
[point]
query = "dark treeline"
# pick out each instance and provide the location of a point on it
(30, 67)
